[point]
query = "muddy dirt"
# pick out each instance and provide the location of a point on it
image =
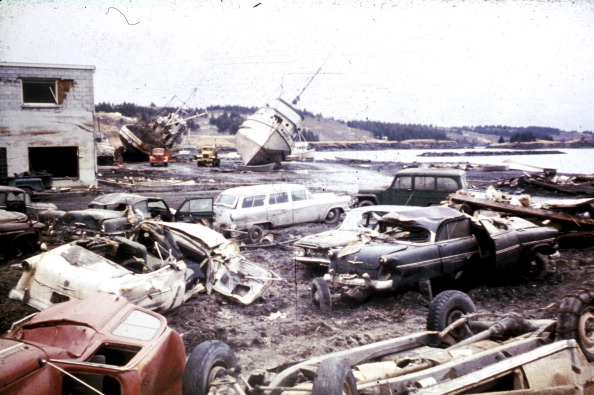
(283, 326)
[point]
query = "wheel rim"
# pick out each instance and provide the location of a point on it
(346, 388)
(315, 295)
(331, 215)
(452, 317)
(212, 375)
(586, 329)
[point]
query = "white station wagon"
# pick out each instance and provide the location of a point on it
(258, 207)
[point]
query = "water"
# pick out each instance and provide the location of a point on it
(572, 161)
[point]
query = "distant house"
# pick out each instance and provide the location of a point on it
(46, 122)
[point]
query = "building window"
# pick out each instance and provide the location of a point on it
(3, 163)
(57, 161)
(45, 91)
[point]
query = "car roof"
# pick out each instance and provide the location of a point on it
(431, 172)
(116, 198)
(262, 188)
(10, 189)
(379, 207)
(428, 217)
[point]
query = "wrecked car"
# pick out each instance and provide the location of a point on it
(418, 244)
(358, 224)
(158, 267)
(117, 213)
(101, 345)
(461, 351)
(19, 235)
(256, 208)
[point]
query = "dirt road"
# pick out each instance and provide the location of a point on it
(283, 326)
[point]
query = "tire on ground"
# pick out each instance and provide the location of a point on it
(255, 234)
(334, 377)
(575, 320)
(365, 203)
(333, 216)
(320, 294)
(206, 361)
(446, 308)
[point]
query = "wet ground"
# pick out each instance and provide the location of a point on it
(283, 326)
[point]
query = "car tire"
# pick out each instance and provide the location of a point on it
(575, 320)
(205, 362)
(365, 203)
(333, 216)
(334, 377)
(255, 234)
(535, 267)
(21, 247)
(448, 307)
(320, 294)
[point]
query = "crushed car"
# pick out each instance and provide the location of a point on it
(118, 213)
(256, 208)
(415, 245)
(19, 235)
(460, 352)
(158, 267)
(358, 224)
(103, 345)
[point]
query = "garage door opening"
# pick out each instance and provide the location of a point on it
(58, 161)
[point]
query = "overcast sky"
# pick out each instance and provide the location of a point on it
(446, 63)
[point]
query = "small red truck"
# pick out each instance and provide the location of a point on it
(102, 345)
(160, 156)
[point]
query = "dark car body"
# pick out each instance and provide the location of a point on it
(416, 187)
(19, 235)
(117, 213)
(420, 244)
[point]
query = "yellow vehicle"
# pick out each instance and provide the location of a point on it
(208, 156)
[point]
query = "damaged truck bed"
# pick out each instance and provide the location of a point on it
(158, 267)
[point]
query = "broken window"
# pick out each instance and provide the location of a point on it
(45, 91)
(57, 161)
(3, 163)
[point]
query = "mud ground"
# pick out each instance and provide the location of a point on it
(283, 326)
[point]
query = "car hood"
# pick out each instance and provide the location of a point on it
(334, 238)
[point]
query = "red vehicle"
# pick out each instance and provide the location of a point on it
(99, 345)
(160, 157)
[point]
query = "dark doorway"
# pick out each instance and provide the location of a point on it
(58, 161)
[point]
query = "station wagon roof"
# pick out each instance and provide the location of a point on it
(426, 217)
(417, 171)
(11, 189)
(262, 189)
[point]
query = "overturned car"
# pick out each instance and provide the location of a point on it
(415, 245)
(158, 267)
(461, 352)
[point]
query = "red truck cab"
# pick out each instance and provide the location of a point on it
(105, 342)
(160, 157)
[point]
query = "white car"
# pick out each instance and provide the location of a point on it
(159, 267)
(259, 207)
(359, 224)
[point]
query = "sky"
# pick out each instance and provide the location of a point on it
(441, 63)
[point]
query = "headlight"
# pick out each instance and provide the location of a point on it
(26, 266)
(298, 251)
(383, 260)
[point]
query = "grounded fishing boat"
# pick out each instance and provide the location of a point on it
(162, 132)
(301, 151)
(268, 135)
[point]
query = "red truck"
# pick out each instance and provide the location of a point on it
(160, 157)
(103, 345)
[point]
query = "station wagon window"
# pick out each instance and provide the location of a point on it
(253, 201)
(279, 197)
(454, 230)
(298, 195)
(402, 183)
(425, 183)
(226, 200)
(446, 184)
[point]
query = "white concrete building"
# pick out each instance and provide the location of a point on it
(46, 122)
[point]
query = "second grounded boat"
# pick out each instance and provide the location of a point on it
(269, 134)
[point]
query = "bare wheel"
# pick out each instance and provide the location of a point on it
(334, 377)
(333, 216)
(320, 294)
(448, 307)
(254, 234)
(575, 320)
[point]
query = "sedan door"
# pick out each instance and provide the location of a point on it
(280, 209)
(456, 245)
